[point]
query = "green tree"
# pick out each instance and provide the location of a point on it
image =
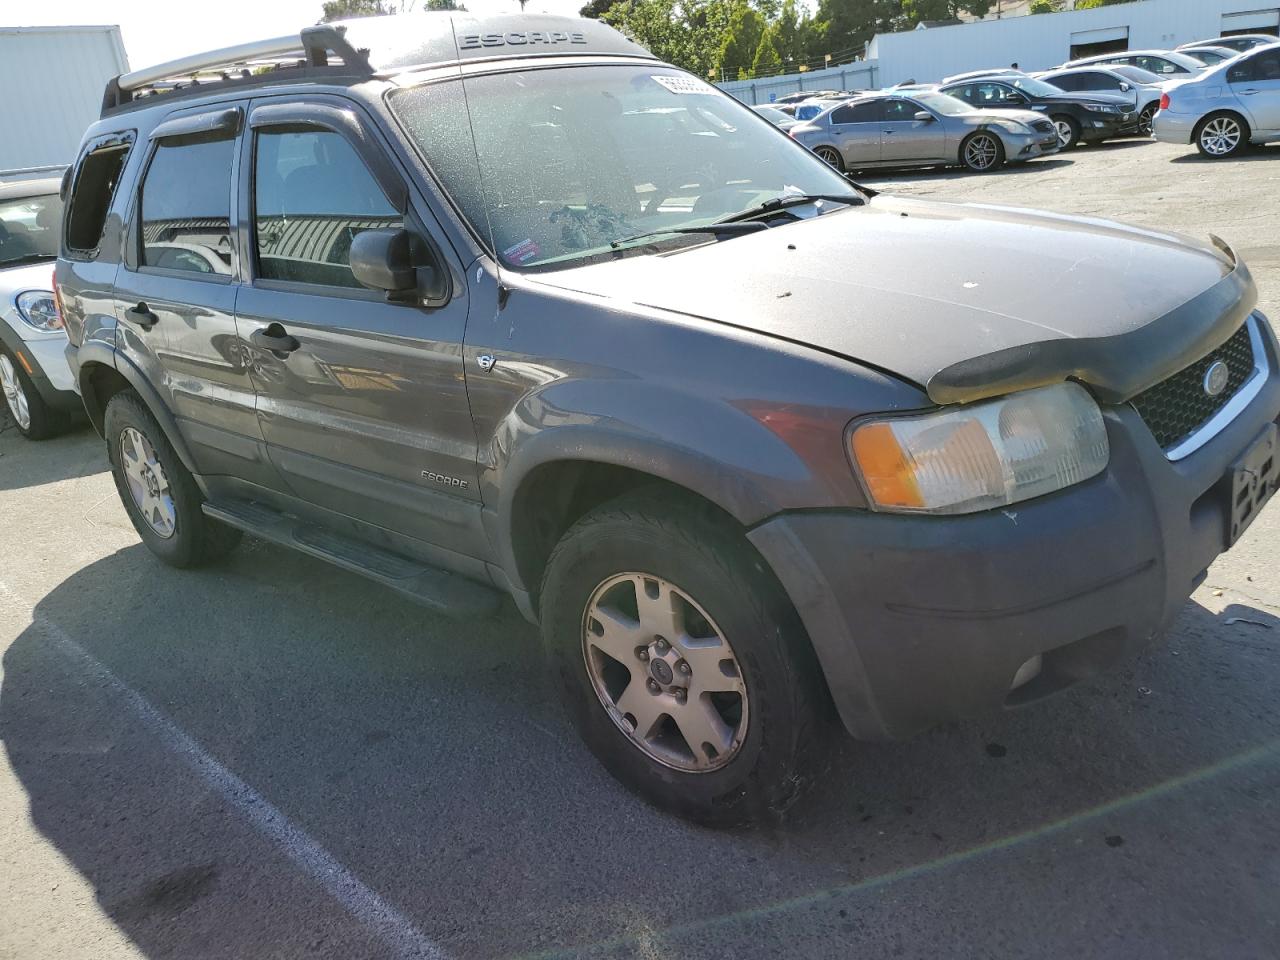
(767, 61)
(687, 33)
(596, 9)
(789, 37)
(1044, 6)
(346, 9)
(913, 11)
(738, 45)
(1090, 4)
(843, 27)
(445, 5)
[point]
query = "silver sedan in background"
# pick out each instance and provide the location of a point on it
(924, 129)
(1227, 107)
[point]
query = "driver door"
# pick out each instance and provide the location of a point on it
(904, 139)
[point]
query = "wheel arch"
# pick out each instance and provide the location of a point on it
(102, 373)
(1223, 112)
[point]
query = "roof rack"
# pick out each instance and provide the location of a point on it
(318, 46)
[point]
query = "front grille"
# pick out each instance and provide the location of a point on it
(1043, 126)
(1175, 408)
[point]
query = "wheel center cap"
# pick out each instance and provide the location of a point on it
(661, 671)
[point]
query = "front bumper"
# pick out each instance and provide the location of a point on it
(1029, 146)
(1104, 126)
(918, 620)
(1173, 127)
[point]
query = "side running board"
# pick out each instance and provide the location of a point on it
(429, 586)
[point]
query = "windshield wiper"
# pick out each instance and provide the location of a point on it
(789, 200)
(721, 228)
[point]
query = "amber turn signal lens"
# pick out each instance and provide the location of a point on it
(885, 468)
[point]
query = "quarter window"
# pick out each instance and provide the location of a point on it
(186, 207)
(312, 196)
(91, 195)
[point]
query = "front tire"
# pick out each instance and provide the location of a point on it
(982, 152)
(680, 660)
(34, 418)
(158, 491)
(1068, 131)
(1146, 119)
(1221, 135)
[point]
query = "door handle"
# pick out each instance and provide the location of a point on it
(887, 133)
(273, 337)
(142, 315)
(1249, 93)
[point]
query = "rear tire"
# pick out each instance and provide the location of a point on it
(691, 559)
(831, 156)
(1222, 135)
(158, 491)
(34, 418)
(1068, 131)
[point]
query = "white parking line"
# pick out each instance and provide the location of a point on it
(388, 923)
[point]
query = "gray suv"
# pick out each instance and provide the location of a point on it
(507, 307)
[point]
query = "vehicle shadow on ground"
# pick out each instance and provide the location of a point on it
(907, 175)
(431, 759)
(26, 463)
(1268, 151)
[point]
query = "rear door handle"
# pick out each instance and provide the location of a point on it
(1249, 93)
(275, 338)
(142, 315)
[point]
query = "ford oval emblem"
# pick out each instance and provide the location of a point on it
(1215, 378)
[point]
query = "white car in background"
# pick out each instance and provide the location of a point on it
(35, 381)
(1227, 107)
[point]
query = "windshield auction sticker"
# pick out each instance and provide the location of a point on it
(683, 85)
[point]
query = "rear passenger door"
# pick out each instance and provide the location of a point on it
(365, 411)
(176, 288)
(1256, 83)
(855, 128)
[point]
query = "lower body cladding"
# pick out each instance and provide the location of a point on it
(917, 620)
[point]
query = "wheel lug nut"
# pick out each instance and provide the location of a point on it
(681, 695)
(643, 653)
(684, 667)
(653, 685)
(662, 645)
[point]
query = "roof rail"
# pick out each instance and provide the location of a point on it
(316, 46)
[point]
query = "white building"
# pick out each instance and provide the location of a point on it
(52, 80)
(1046, 40)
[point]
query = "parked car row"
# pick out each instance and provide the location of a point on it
(1220, 95)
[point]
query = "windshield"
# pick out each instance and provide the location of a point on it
(1037, 88)
(942, 103)
(29, 228)
(1136, 74)
(567, 160)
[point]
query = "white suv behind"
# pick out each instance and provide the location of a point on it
(38, 389)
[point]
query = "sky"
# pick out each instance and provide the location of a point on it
(158, 30)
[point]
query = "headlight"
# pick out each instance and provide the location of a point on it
(1013, 126)
(38, 311)
(1101, 108)
(987, 455)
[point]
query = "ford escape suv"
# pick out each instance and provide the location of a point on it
(506, 306)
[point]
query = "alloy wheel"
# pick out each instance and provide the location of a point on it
(15, 396)
(1146, 120)
(664, 672)
(148, 484)
(1220, 136)
(981, 152)
(1065, 133)
(830, 155)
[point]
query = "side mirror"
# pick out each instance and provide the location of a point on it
(400, 263)
(924, 116)
(1016, 98)
(1124, 87)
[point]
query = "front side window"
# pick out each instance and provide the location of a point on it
(186, 207)
(900, 111)
(1260, 68)
(566, 161)
(29, 229)
(312, 196)
(1070, 81)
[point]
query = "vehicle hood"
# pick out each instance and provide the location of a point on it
(1112, 99)
(981, 116)
(965, 300)
(30, 276)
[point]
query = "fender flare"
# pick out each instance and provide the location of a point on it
(95, 352)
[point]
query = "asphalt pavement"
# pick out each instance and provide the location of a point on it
(271, 758)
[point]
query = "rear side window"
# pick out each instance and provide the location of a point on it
(312, 196)
(92, 192)
(186, 207)
(1069, 81)
(858, 113)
